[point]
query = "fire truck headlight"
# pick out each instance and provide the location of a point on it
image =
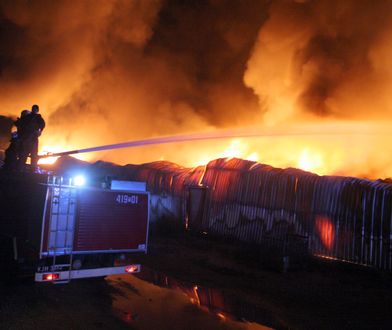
(79, 180)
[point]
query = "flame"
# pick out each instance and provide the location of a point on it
(236, 148)
(239, 149)
(325, 150)
(310, 161)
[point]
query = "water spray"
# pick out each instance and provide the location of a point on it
(252, 132)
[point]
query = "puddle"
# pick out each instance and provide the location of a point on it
(151, 300)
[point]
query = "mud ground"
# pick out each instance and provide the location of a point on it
(318, 294)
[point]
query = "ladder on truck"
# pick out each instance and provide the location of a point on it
(61, 223)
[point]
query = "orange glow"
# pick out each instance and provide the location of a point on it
(47, 148)
(221, 316)
(326, 231)
(232, 148)
(337, 148)
(48, 160)
(239, 149)
(196, 295)
(309, 161)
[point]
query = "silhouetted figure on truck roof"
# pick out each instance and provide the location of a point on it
(12, 153)
(29, 129)
(19, 123)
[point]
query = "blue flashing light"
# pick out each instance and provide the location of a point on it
(79, 180)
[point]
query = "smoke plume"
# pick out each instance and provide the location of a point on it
(324, 58)
(128, 69)
(117, 70)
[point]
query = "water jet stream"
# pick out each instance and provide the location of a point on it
(341, 128)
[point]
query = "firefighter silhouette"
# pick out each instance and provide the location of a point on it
(29, 127)
(12, 153)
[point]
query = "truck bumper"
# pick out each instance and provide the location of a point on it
(66, 276)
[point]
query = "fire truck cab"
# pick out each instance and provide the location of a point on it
(60, 229)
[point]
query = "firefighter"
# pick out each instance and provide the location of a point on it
(19, 123)
(13, 150)
(11, 153)
(29, 129)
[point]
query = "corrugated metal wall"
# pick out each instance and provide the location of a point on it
(342, 217)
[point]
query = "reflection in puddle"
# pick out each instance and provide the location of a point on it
(154, 301)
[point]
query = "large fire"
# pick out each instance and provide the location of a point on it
(131, 70)
(334, 149)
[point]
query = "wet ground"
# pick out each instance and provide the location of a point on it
(191, 282)
(174, 306)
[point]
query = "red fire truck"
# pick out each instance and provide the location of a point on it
(63, 230)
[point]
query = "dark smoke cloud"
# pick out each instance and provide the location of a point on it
(115, 70)
(48, 50)
(210, 42)
(125, 69)
(329, 58)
